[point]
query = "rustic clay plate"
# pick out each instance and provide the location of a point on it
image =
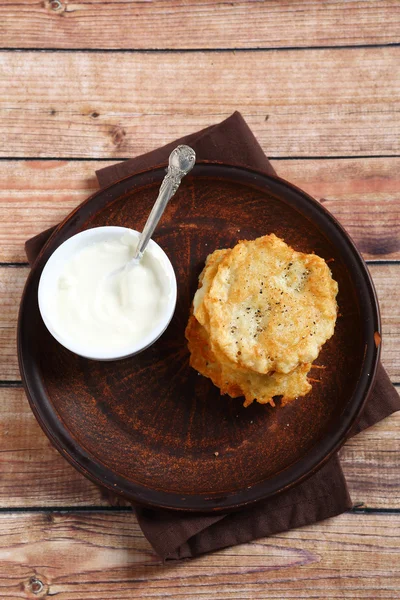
(149, 427)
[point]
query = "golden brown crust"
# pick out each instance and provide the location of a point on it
(255, 303)
(235, 383)
(269, 308)
(205, 280)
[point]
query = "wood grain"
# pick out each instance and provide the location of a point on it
(386, 282)
(34, 474)
(82, 556)
(8, 359)
(328, 102)
(11, 285)
(333, 102)
(371, 461)
(362, 193)
(199, 24)
(385, 276)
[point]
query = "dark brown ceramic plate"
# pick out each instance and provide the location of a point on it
(152, 429)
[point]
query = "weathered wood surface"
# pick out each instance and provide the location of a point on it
(80, 556)
(11, 286)
(200, 24)
(329, 102)
(364, 194)
(300, 102)
(385, 276)
(386, 280)
(34, 474)
(371, 463)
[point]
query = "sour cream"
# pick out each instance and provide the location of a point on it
(103, 313)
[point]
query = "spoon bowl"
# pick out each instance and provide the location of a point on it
(183, 159)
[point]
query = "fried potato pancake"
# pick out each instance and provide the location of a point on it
(205, 280)
(235, 383)
(266, 307)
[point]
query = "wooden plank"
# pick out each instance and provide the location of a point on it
(386, 280)
(34, 474)
(199, 24)
(371, 463)
(104, 556)
(385, 276)
(8, 354)
(12, 281)
(338, 102)
(362, 193)
(38, 195)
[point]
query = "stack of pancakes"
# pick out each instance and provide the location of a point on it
(260, 317)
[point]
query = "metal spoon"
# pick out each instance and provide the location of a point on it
(181, 161)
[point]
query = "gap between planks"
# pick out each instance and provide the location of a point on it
(356, 510)
(123, 158)
(199, 49)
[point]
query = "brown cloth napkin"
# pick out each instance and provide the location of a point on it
(179, 535)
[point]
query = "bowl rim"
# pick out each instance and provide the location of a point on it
(92, 234)
(94, 470)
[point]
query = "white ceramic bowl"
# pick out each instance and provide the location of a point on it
(49, 281)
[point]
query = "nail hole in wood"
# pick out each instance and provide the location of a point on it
(36, 585)
(56, 5)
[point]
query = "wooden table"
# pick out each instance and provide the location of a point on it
(85, 84)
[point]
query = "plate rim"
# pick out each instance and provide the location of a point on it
(92, 467)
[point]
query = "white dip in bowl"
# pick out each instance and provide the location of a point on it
(105, 317)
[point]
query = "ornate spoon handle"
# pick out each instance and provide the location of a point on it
(181, 161)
